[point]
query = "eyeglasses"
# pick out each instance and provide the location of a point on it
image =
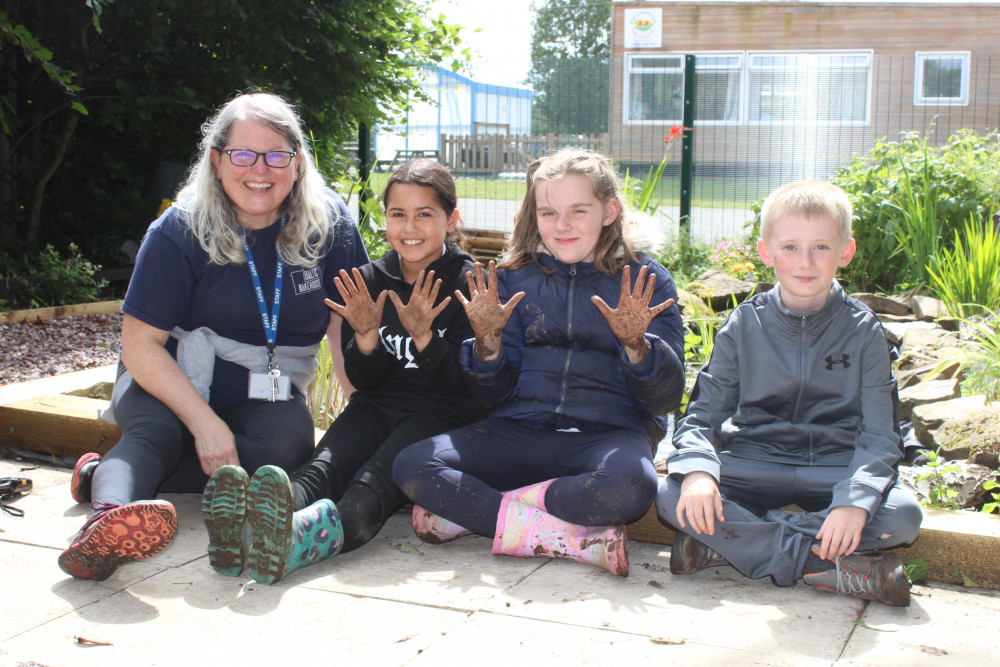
(243, 157)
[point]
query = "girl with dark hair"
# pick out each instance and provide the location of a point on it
(403, 362)
(579, 390)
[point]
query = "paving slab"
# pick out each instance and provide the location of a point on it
(505, 640)
(940, 626)
(398, 601)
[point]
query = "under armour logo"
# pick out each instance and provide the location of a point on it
(843, 360)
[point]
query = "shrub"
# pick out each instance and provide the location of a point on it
(955, 180)
(50, 280)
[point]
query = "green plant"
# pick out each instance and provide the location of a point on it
(699, 341)
(967, 276)
(989, 485)
(639, 194)
(326, 399)
(940, 494)
(372, 218)
(737, 258)
(916, 570)
(48, 279)
(918, 229)
(977, 354)
(964, 173)
(963, 580)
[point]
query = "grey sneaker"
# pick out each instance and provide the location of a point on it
(688, 555)
(871, 576)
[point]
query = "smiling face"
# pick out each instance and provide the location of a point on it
(571, 217)
(415, 226)
(256, 192)
(805, 252)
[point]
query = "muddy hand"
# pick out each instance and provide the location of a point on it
(418, 315)
(363, 314)
(631, 318)
(486, 314)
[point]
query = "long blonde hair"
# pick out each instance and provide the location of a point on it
(614, 248)
(211, 218)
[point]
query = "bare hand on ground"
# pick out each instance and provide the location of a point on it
(486, 315)
(363, 314)
(631, 318)
(700, 502)
(418, 315)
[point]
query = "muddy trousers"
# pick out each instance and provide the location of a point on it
(760, 539)
(156, 451)
(603, 478)
(352, 466)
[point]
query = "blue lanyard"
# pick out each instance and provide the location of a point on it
(270, 322)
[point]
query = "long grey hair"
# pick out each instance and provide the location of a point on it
(211, 217)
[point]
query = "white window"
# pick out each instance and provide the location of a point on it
(761, 87)
(823, 88)
(941, 79)
(654, 88)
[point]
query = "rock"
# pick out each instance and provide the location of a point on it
(965, 479)
(883, 305)
(931, 416)
(691, 305)
(989, 459)
(927, 308)
(917, 339)
(974, 432)
(720, 289)
(926, 392)
(894, 331)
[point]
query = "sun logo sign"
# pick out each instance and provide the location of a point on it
(643, 28)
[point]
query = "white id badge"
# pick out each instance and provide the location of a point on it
(262, 387)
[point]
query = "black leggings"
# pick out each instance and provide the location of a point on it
(604, 478)
(156, 452)
(352, 466)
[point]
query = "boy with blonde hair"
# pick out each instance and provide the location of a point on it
(797, 405)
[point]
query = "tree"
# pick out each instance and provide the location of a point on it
(78, 152)
(570, 60)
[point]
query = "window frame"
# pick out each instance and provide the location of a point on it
(629, 70)
(745, 68)
(919, 58)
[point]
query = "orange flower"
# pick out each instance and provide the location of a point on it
(675, 132)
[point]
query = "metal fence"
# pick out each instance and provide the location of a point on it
(760, 121)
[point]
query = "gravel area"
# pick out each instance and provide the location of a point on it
(33, 350)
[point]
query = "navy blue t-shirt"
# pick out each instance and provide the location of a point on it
(174, 284)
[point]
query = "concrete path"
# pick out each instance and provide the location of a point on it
(398, 601)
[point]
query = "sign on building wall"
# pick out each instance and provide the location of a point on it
(644, 28)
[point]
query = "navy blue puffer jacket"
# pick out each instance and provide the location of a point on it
(560, 356)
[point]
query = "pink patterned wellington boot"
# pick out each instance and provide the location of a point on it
(528, 532)
(435, 529)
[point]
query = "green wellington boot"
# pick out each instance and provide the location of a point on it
(224, 507)
(284, 540)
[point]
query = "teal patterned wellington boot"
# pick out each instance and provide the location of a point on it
(284, 540)
(224, 507)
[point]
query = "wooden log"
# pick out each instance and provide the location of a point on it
(72, 310)
(57, 424)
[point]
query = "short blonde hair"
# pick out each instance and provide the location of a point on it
(809, 199)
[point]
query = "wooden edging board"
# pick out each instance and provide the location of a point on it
(35, 314)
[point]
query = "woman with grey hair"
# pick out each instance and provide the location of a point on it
(222, 322)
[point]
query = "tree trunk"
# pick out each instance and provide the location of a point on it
(38, 192)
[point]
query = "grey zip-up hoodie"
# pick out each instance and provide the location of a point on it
(813, 389)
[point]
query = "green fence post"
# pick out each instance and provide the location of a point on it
(687, 147)
(364, 170)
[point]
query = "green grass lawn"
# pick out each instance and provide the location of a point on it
(709, 192)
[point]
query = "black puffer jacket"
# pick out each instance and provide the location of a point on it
(560, 356)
